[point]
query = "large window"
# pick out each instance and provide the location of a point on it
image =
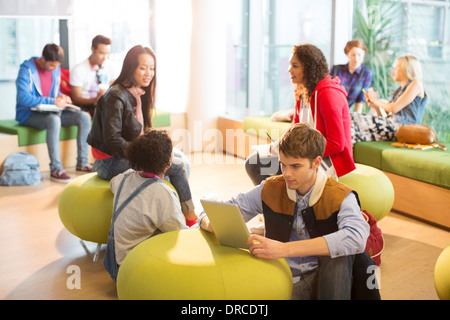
(261, 34)
(26, 29)
(16, 48)
(287, 23)
(413, 27)
(266, 30)
(428, 36)
(237, 46)
(17, 45)
(127, 23)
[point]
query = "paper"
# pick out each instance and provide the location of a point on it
(53, 108)
(412, 146)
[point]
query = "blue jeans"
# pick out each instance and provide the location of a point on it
(52, 122)
(108, 168)
(331, 280)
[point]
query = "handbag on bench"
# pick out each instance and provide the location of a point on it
(418, 134)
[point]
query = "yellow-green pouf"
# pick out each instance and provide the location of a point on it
(442, 275)
(375, 190)
(85, 207)
(192, 265)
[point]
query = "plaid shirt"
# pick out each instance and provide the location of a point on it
(353, 83)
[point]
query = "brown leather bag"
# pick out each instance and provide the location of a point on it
(416, 134)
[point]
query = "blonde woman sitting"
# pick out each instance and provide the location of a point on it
(406, 106)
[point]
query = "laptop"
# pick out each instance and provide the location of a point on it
(228, 223)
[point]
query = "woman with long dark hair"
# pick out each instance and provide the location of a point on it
(124, 113)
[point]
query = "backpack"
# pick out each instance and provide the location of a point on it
(375, 241)
(20, 169)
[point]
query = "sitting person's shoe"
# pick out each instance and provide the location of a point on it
(60, 176)
(84, 168)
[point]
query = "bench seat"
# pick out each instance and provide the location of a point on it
(28, 136)
(260, 126)
(430, 166)
(17, 138)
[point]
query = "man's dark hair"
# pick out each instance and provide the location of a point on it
(53, 52)
(100, 40)
(150, 152)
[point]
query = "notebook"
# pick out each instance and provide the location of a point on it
(53, 108)
(228, 223)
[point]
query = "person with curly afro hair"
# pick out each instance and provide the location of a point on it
(151, 153)
(154, 209)
(322, 102)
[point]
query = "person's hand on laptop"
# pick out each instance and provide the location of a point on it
(266, 248)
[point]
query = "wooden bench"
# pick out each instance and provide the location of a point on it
(421, 178)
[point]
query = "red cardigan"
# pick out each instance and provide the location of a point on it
(333, 121)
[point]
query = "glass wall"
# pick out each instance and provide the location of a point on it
(26, 29)
(418, 28)
(266, 31)
(237, 46)
(287, 23)
(16, 48)
(119, 20)
(428, 36)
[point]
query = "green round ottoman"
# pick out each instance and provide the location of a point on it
(85, 207)
(442, 274)
(192, 265)
(374, 189)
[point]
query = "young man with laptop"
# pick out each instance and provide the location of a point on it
(311, 220)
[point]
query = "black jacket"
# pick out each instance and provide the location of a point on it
(114, 125)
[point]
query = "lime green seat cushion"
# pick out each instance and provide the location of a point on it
(442, 274)
(430, 166)
(375, 190)
(192, 265)
(85, 207)
(160, 118)
(29, 136)
(370, 152)
(259, 126)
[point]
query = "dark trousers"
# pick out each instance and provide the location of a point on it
(331, 280)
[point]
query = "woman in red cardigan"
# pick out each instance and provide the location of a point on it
(329, 110)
